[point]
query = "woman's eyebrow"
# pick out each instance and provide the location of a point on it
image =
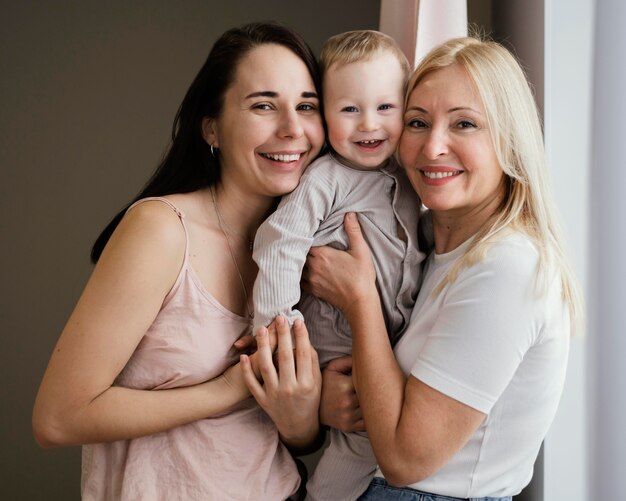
(463, 108)
(417, 108)
(451, 110)
(263, 93)
(271, 93)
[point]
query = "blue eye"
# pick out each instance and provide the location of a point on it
(350, 109)
(384, 107)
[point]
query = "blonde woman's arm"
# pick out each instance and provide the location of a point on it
(414, 429)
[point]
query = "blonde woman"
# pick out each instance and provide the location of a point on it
(458, 408)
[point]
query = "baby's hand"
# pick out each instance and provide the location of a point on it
(245, 344)
(272, 337)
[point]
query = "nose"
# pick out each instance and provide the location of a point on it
(290, 124)
(368, 122)
(436, 143)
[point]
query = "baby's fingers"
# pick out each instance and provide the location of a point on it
(250, 378)
(245, 344)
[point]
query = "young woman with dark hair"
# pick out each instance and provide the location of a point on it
(144, 375)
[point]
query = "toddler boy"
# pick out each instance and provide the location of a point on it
(364, 78)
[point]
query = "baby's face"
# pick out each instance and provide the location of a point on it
(363, 108)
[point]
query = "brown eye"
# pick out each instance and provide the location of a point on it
(307, 107)
(262, 106)
(466, 124)
(417, 123)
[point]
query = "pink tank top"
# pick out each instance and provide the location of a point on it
(233, 456)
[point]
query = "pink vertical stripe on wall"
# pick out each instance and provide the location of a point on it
(398, 19)
(420, 25)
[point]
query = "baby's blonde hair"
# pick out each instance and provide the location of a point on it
(359, 45)
(516, 134)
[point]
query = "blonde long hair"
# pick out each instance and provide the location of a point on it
(516, 133)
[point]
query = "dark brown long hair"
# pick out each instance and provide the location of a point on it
(188, 164)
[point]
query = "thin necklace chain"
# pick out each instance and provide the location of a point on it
(229, 227)
(221, 223)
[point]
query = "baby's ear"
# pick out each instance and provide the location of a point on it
(209, 132)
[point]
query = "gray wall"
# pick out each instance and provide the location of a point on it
(88, 93)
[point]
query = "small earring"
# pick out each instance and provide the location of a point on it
(212, 152)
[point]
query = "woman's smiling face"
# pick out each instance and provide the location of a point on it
(446, 147)
(270, 127)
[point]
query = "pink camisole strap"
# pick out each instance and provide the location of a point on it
(178, 212)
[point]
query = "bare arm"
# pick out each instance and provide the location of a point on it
(77, 402)
(414, 429)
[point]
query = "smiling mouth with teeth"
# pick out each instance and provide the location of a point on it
(440, 175)
(282, 158)
(369, 143)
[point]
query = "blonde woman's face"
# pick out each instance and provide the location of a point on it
(446, 147)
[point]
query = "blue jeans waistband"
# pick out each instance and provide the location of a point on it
(380, 490)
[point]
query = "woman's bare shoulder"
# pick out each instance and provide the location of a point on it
(150, 232)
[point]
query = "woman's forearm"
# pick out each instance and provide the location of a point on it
(414, 429)
(122, 413)
(305, 439)
(379, 381)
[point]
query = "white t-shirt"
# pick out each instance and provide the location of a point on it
(491, 341)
